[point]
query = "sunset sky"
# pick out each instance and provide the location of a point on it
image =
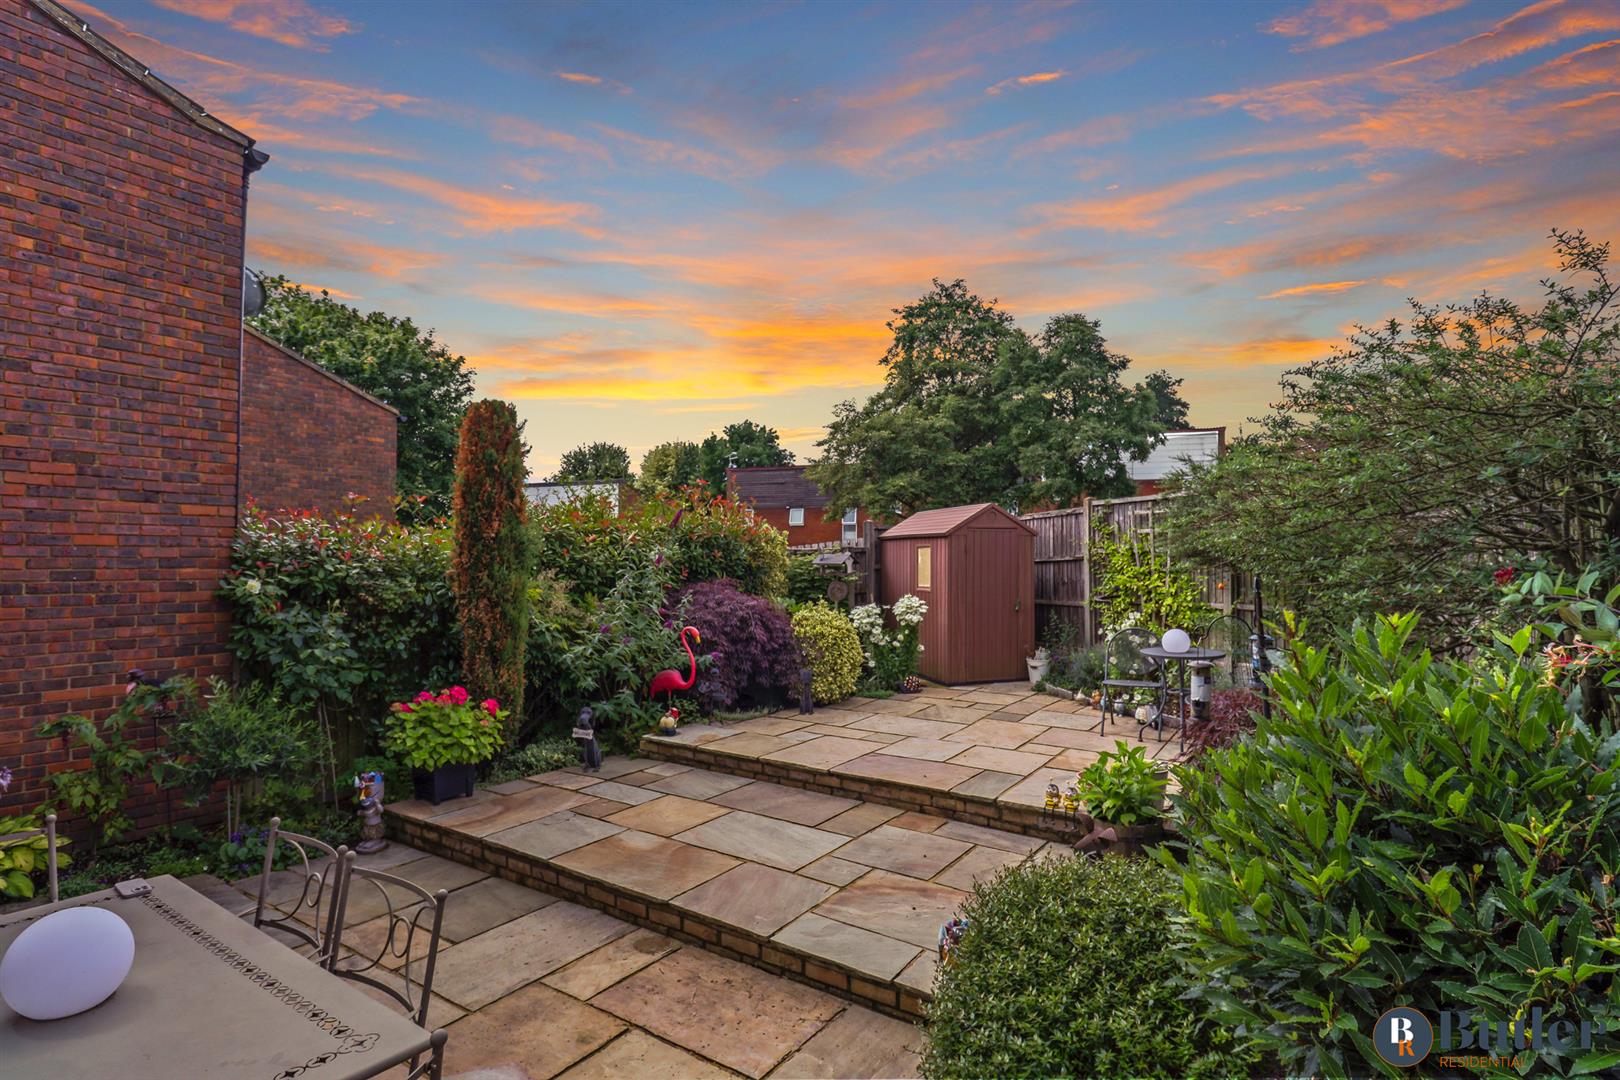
(641, 222)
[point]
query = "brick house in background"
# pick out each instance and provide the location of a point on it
(788, 499)
(123, 404)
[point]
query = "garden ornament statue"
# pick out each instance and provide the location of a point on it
(950, 936)
(585, 734)
(667, 682)
(670, 722)
(369, 787)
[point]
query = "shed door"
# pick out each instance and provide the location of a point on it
(999, 583)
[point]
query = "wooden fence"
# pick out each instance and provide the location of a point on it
(1066, 579)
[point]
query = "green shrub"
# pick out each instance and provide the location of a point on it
(339, 613)
(585, 542)
(21, 861)
(490, 568)
(832, 648)
(98, 791)
(1403, 831)
(633, 640)
(1137, 586)
(557, 623)
(542, 755)
(235, 736)
(1069, 968)
(1122, 787)
(806, 582)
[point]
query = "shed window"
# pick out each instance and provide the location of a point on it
(795, 515)
(925, 568)
(849, 526)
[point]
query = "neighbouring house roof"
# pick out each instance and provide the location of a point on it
(771, 486)
(143, 75)
(1201, 445)
(945, 521)
(340, 380)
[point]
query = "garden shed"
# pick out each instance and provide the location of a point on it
(975, 566)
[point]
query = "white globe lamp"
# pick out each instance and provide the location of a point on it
(1176, 641)
(69, 961)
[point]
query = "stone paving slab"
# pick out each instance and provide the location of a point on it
(601, 968)
(533, 1032)
(857, 949)
(635, 1054)
(895, 906)
(667, 815)
(479, 970)
(553, 835)
(857, 1044)
(761, 839)
(650, 865)
(756, 898)
(789, 804)
(918, 855)
(728, 1012)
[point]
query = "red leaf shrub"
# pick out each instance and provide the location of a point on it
(1231, 716)
(753, 657)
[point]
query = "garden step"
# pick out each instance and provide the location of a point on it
(978, 756)
(836, 892)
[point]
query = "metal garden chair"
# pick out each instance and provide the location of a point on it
(1129, 672)
(28, 836)
(1230, 634)
(415, 919)
(313, 914)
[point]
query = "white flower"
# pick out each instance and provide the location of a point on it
(253, 585)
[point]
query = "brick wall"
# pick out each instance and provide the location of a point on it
(120, 298)
(814, 530)
(309, 439)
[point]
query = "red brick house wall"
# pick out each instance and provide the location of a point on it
(814, 530)
(293, 413)
(120, 340)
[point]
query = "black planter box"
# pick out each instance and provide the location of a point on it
(445, 782)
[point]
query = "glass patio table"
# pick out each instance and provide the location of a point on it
(208, 996)
(1178, 689)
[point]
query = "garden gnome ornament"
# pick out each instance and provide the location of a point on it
(670, 722)
(369, 786)
(585, 734)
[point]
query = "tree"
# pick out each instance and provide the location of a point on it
(593, 463)
(1403, 471)
(754, 444)
(1172, 408)
(1070, 422)
(974, 410)
(670, 466)
(390, 358)
(489, 570)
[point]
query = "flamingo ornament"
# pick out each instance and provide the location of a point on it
(667, 682)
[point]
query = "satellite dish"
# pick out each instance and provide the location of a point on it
(252, 293)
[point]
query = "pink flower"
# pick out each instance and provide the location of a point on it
(443, 699)
(458, 695)
(491, 706)
(1504, 575)
(424, 696)
(402, 707)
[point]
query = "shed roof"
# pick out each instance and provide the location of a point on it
(776, 485)
(946, 521)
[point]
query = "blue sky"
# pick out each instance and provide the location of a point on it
(643, 221)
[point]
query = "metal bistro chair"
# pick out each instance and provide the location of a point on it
(413, 914)
(1128, 671)
(30, 837)
(320, 889)
(1230, 634)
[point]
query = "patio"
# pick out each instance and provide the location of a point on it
(983, 755)
(531, 987)
(845, 895)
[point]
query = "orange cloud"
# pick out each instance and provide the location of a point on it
(1025, 80)
(580, 78)
(1314, 290)
(1332, 22)
(277, 253)
(1146, 209)
(485, 211)
(289, 22)
(328, 289)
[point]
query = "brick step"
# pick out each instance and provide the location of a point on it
(842, 894)
(908, 784)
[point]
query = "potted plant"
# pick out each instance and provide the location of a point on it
(1039, 665)
(444, 737)
(1124, 794)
